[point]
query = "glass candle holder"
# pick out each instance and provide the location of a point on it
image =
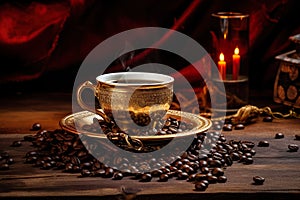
(229, 50)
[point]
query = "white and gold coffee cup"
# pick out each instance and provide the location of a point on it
(131, 100)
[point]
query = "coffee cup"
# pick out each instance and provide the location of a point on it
(136, 102)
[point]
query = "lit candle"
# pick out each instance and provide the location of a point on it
(236, 64)
(222, 66)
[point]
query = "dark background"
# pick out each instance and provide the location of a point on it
(43, 43)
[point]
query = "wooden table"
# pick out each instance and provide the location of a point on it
(18, 112)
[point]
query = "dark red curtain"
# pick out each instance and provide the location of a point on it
(41, 39)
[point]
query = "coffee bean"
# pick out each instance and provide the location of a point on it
(31, 153)
(203, 163)
(86, 165)
(215, 163)
(99, 173)
(248, 155)
(69, 167)
(188, 169)
(178, 164)
(258, 180)
(248, 160)
(47, 158)
(171, 174)
(165, 170)
(16, 143)
(109, 172)
(173, 129)
(4, 166)
(297, 137)
(222, 179)
(161, 132)
(76, 168)
(239, 127)
(279, 135)
(217, 171)
(194, 165)
(242, 158)
(184, 165)
(173, 168)
(30, 160)
(177, 172)
(293, 147)
(228, 160)
(212, 179)
(205, 182)
(164, 177)
(156, 173)
(204, 170)
(268, 119)
(243, 146)
(200, 177)
(41, 133)
(36, 127)
(118, 176)
(253, 152)
(249, 144)
(146, 177)
(235, 156)
(200, 186)
(263, 143)
(46, 166)
(217, 156)
(182, 175)
(53, 162)
(192, 177)
(227, 127)
(85, 173)
(10, 161)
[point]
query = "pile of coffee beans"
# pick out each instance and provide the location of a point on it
(203, 163)
(169, 126)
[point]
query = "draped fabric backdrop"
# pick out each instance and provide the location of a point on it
(42, 39)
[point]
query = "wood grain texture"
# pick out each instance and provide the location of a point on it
(280, 167)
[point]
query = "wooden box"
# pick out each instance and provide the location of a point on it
(287, 82)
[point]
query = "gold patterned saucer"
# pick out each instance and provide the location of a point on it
(200, 125)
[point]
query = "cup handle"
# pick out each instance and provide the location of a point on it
(82, 104)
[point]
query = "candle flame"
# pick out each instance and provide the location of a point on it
(221, 57)
(236, 51)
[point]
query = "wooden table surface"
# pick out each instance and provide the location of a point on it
(18, 112)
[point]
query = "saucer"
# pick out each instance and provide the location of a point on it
(200, 125)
